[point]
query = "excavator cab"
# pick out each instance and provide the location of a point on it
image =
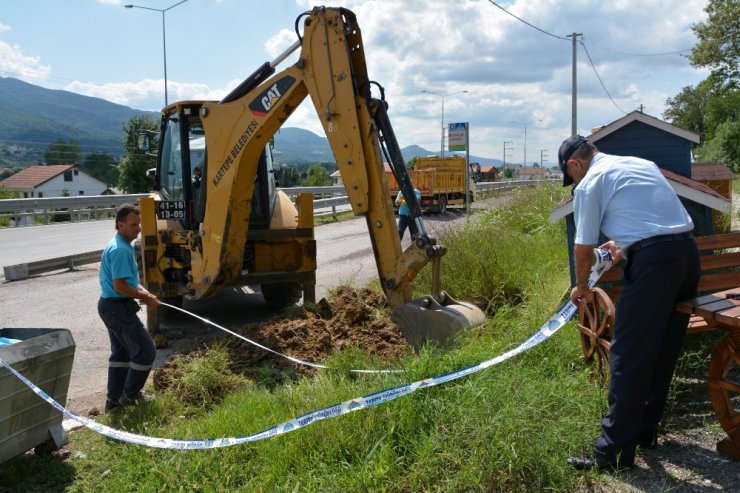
(174, 216)
(182, 170)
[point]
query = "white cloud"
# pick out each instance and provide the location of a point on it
(14, 63)
(512, 71)
(147, 94)
(280, 42)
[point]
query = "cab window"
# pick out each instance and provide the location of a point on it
(170, 178)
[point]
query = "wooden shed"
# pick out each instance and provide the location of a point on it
(641, 135)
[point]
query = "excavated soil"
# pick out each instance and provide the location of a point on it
(357, 318)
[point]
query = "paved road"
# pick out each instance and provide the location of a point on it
(31, 243)
(67, 299)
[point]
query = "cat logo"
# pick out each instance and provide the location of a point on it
(267, 99)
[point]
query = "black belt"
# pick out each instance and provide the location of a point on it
(640, 244)
(123, 300)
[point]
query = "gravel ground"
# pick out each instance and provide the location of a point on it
(686, 459)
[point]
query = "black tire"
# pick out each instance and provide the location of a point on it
(282, 294)
(442, 204)
(165, 311)
(173, 300)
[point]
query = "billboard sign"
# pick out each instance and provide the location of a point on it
(457, 136)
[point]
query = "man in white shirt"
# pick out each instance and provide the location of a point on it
(633, 205)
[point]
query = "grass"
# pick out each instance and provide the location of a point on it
(508, 428)
(329, 218)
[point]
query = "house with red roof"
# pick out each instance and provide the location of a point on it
(533, 173)
(56, 180)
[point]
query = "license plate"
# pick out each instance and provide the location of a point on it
(174, 209)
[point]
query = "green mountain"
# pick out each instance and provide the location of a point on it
(34, 117)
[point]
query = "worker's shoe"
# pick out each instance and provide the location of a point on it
(648, 441)
(135, 399)
(587, 463)
(111, 405)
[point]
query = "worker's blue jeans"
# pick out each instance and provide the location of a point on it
(648, 335)
(132, 348)
(406, 221)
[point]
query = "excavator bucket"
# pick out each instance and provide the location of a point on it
(438, 319)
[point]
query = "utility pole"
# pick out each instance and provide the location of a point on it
(506, 142)
(574, 89)
(543, 157)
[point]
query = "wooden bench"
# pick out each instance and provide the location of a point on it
(720, 270)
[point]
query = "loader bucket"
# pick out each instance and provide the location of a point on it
(428, 319)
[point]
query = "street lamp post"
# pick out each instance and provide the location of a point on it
(524, 163)
(443, 96)
(164, 39)
(509, 143)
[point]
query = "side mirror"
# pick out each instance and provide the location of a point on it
(151, 173)
(142, 142)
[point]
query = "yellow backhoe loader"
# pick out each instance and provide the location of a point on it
(231, 226)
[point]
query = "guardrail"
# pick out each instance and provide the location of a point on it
(93, 207)
(105, 203)
(22, 271)
(86, 207)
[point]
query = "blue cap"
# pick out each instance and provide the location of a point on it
(567, 148)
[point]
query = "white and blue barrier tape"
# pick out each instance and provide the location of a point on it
(603, 262)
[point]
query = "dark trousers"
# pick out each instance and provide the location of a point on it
(405, 221)
(132, 348)
(648, 335)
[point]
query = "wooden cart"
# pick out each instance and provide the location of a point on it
(717, 308)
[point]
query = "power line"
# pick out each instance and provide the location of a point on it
(527, 23)
(85, 148)
(598, 77)
(650, 54)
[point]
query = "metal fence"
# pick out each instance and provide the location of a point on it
(99, 206)
(24, 212)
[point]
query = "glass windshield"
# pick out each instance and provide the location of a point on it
(170, 175)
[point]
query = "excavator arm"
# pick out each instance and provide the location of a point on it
(331, 70)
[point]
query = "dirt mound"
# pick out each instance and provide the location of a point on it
(352, 318)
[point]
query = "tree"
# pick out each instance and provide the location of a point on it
(62, 152)
(719, 42)
(102, 166)
(317, 177)
(724, 147)
(135, 163)
(687, 108)
(411, 165)
(288, 176)
(712, 108)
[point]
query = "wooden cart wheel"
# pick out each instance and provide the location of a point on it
(596, 325)
(724, 388)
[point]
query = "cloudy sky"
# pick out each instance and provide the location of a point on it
(516, 69)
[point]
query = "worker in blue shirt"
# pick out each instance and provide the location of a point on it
(132, 348)
(404, 218)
